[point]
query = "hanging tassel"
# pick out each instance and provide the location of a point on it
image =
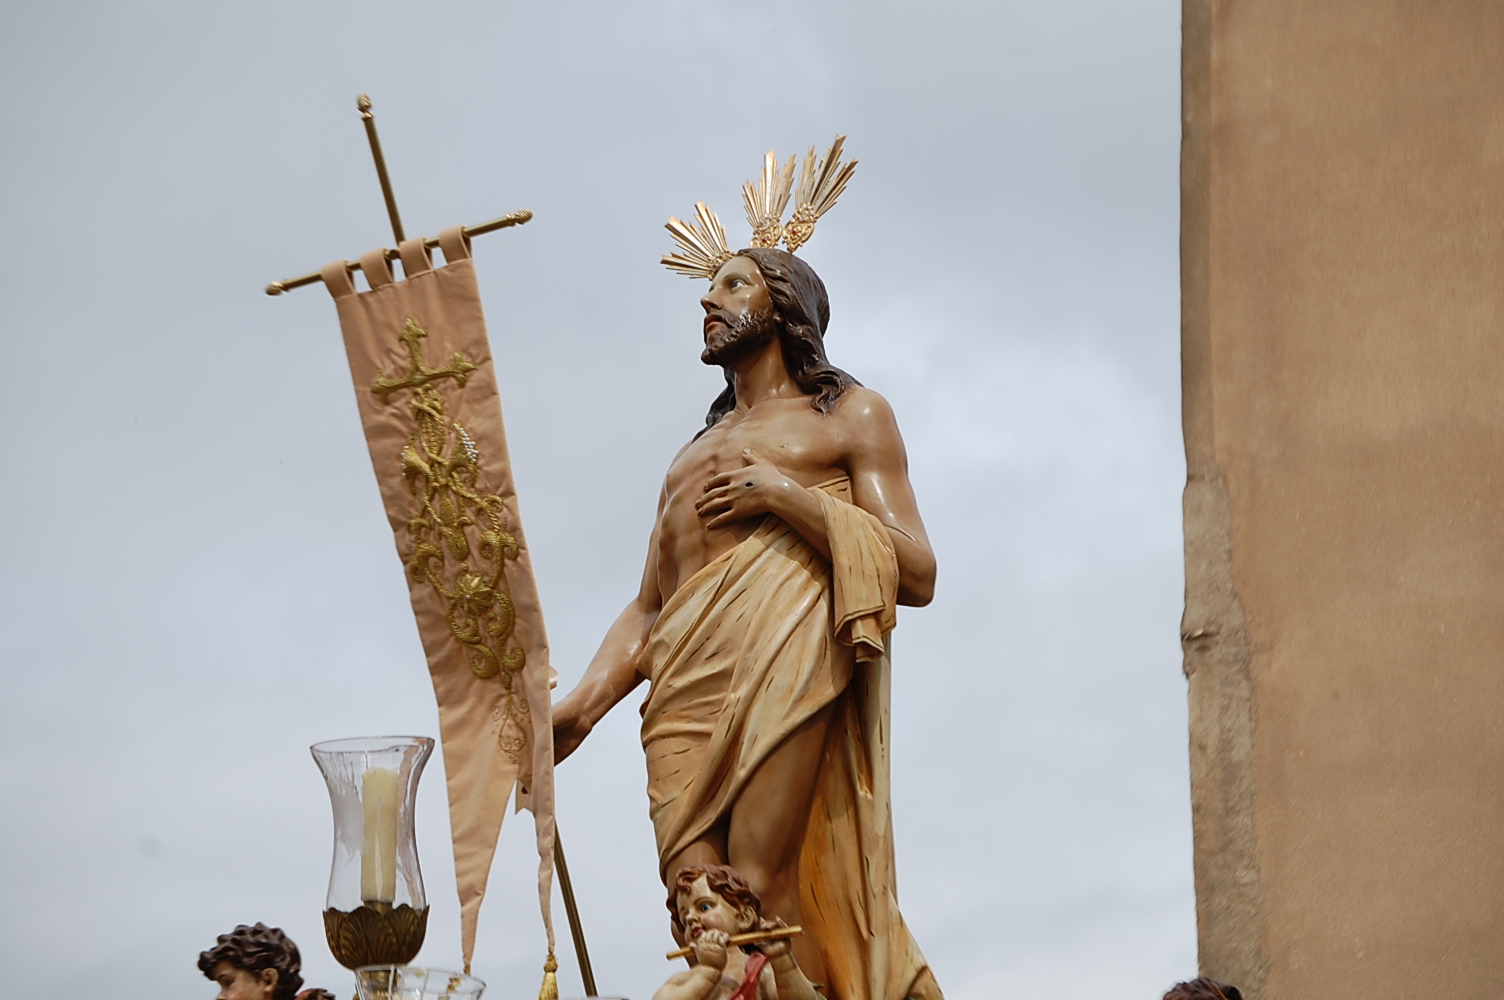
(550, 988)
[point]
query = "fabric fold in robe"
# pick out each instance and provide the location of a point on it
(426, 385)
(742, 654)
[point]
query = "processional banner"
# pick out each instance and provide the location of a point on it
(426, 384)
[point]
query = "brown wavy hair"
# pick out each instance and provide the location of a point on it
(1203, 989)
(803, 310)
(256, 949)
(723, 880)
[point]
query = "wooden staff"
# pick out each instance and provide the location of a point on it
(751, 937)
(576, 929)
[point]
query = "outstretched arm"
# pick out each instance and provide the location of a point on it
(612, 673)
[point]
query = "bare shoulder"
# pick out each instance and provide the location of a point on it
(860, 403)
(867, 418)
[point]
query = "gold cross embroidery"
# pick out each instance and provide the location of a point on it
(419, 373)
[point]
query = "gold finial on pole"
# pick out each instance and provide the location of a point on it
(363, 105)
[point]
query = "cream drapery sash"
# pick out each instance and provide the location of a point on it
(426, 385)
(744, 652)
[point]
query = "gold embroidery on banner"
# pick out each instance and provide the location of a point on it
(513, 719)
(451, 501)
(420, 374)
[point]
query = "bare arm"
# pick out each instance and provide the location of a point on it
(700, 981)
(696, 984)
(789, 981)
(612, 673)
(879, 469)
(880, 485)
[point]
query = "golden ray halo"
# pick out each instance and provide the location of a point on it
(702, 240)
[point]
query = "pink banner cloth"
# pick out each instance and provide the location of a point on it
(426, 384)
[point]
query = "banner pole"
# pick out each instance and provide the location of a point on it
(363, 105)
(516, 218)
(576, 930)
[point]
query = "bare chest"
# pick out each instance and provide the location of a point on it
(799, 441)
(802, 443)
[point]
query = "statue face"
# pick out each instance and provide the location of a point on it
(238, 984)
(739, 315)
(702, 909)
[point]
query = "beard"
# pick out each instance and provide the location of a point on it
(741, 338)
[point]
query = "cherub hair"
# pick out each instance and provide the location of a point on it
(723, 880)
(256, 949)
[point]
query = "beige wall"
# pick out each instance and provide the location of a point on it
(1343, 342)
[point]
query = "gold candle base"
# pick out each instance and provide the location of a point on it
(375, 934)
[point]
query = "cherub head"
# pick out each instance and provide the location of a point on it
(255, 963)
(1203, 989)
(713, 898)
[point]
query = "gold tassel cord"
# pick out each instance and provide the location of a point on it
(550, 988)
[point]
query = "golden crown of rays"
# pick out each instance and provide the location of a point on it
(702, 240)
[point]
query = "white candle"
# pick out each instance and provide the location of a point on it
(378, 859)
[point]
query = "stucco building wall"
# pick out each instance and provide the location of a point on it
(1343, 350)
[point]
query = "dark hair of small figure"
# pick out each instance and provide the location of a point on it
(1203, 988)
(256, 949)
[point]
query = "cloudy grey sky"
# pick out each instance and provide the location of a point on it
(198, 580)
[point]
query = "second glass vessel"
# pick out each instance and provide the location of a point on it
(375, 912)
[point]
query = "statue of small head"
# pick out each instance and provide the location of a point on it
(713, 898)
(1203, 989)
(256, 963)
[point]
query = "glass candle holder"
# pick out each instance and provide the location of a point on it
(408, 982)
(375, 913)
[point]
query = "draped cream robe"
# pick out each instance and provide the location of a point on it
(742, 654)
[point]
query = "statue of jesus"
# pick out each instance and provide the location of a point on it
(787, 532)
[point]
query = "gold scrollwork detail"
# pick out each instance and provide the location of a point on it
(452, 504)
(513, 719)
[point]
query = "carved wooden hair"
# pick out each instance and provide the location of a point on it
(723, 880)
